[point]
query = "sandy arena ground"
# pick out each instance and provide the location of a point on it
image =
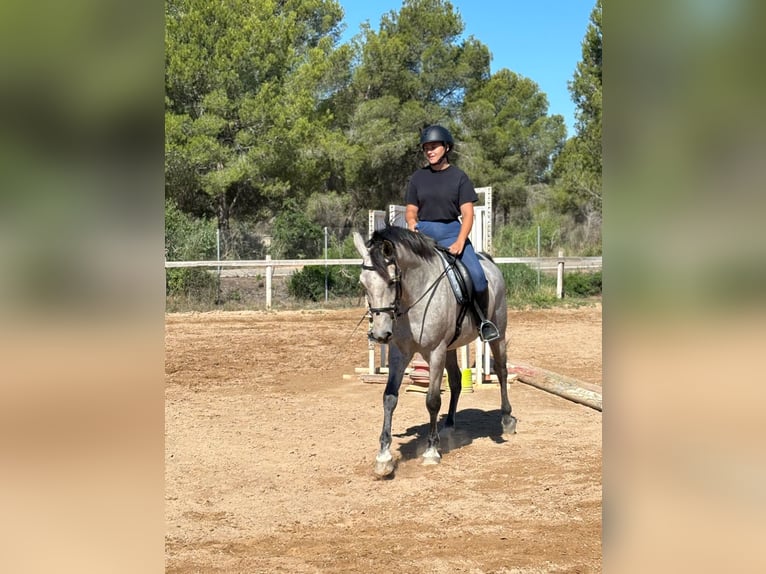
(269, 454)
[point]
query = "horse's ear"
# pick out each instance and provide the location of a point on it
(388, 249)
(360, 245)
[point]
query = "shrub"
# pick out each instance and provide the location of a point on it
(187, 237)
(295, 236)
(345, 281)
(309, 282)
(520, 280)
(521, 240)
(191, 282)
(582, 284)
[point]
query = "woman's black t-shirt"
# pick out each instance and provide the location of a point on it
(438, 195)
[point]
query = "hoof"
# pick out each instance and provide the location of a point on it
(431, 457)
(384, 465)
(509, 424)
(384, 469)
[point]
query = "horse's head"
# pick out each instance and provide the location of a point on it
(381, 279)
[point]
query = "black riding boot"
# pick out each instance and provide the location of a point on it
(487, 329)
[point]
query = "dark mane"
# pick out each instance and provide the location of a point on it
(417, 243)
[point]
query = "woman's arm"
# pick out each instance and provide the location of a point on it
(411, 216)
(466, 212)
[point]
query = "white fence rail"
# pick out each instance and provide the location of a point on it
(270, 265)
(543, 263)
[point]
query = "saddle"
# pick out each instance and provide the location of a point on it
(457, 275)
(461, 283)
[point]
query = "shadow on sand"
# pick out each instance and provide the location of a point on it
(470, 424)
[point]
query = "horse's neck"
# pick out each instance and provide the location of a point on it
(418, 276)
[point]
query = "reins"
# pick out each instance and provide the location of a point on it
(432, 286)
(337, 353)
(393, 309)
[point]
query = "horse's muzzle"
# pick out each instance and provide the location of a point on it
(382, 337)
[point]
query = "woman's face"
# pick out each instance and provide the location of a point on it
(434, 151)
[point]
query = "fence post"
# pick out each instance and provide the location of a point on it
(269, 273)
(218, 258)
(560, 276)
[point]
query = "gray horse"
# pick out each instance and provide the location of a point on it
(414, 308)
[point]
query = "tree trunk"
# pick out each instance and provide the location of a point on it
(224, 213)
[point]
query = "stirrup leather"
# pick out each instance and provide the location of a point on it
(487, 329)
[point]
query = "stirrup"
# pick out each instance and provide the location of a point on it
(488, 332)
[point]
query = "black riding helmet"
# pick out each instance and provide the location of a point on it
(437, 134)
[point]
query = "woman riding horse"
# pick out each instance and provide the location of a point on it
(437, 195)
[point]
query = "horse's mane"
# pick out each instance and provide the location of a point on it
(417, 243)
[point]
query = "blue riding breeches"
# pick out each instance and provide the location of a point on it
(445, 235)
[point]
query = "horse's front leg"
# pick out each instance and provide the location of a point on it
(436, 362)
(384, 462)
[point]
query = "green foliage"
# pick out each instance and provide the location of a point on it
(582, 284)
(244, 241)
(346, 281)
(412, 72)
(191, 283)
(509, 140)
(244, 82)
(418, 56)
(578, 168)
(522, 287)
(343, 250)
(309, 282)
(186, 237)
(295, 236)
(521, 240)
(273, 128)
(329, 209)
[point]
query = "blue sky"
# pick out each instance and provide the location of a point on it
(539, 39)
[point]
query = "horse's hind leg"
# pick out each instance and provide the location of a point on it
(384, 462)
(455, 386)
(498, 348)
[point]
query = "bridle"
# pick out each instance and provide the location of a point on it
(396, 280)
(394, 309)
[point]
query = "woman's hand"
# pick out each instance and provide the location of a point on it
(457, 247)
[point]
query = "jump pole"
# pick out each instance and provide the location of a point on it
(561, 385)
